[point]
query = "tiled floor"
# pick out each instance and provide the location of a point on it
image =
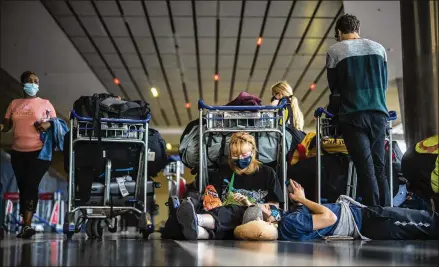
(118, 250)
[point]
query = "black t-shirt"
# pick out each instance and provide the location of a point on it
(263, 185)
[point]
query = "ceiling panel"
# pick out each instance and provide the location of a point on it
(280, 8)
(184, 27)
(205, 8)
(125, 45)
(161, 26)
(58, 8)
(157, 8)
(116, 26)
(229, 27)
(286, 63)
(305, 8)
(230, 8)
(319, 27)
(138, 26)
(82, 8)
(206, 27)
(71, 26)
(104, 45)
(107, 8)
(255, 8)
(251, 27)
(132, 8)
(93, 26)
(83, 44)
(274, 27)
(181, 8)
(95, 61)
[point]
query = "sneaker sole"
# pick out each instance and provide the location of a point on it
(187, 221)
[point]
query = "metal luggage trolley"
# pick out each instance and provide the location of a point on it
(228, 119)
(112, 131)
(326, 129)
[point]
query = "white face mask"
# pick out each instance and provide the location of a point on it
(31, 89)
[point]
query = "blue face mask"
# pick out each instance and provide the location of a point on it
(275, 212)
(31, 89)
(243, 163)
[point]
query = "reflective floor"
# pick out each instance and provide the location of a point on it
(119, 250)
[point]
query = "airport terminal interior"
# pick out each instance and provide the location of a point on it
(219, 133)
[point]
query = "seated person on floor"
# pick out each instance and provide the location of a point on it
(420, 166)
(348, 218)
(247, 182)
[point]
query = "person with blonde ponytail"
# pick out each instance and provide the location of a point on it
(247, 182)
(282, 90)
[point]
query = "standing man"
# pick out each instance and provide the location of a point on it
(357, 72)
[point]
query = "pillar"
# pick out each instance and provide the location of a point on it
(419, 35)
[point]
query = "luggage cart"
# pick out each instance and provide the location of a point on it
(131, 195)
(326, 129)
(229, 119)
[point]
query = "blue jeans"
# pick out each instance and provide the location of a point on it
(364, 135)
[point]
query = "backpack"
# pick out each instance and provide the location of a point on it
(157, 158)
(88, 106)
(217, 146)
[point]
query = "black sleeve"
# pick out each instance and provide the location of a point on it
(275, 193)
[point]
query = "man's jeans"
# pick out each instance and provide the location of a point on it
(364, 135)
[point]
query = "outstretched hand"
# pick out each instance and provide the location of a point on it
(298, 193)
(242, 199)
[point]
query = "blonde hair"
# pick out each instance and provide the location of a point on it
(285, 90)
(237, 141)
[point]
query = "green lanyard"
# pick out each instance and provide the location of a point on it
(231, 183)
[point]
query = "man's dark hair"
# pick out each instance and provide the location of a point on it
(347, 24)
(25, 76)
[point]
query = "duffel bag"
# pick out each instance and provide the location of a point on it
(121, 109)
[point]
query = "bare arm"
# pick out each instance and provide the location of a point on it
(6, 125)
(322, 217)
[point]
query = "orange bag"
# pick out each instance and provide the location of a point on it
(211, 198)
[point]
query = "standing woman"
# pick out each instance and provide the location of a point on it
(282, 90)
(28, 117)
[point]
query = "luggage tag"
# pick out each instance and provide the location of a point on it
(122, 188)
(151, 155)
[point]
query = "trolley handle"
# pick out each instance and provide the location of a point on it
(320, 111)
(281, 105)
(74, 115)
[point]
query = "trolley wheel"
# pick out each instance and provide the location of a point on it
(97, 228)
(89, 228)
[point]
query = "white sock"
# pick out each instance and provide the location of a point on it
(202, 233)
(206, 220)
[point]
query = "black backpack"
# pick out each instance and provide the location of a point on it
(88, 106)
(157, 145)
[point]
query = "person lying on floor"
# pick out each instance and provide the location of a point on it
(247, 182)
(348, 218)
